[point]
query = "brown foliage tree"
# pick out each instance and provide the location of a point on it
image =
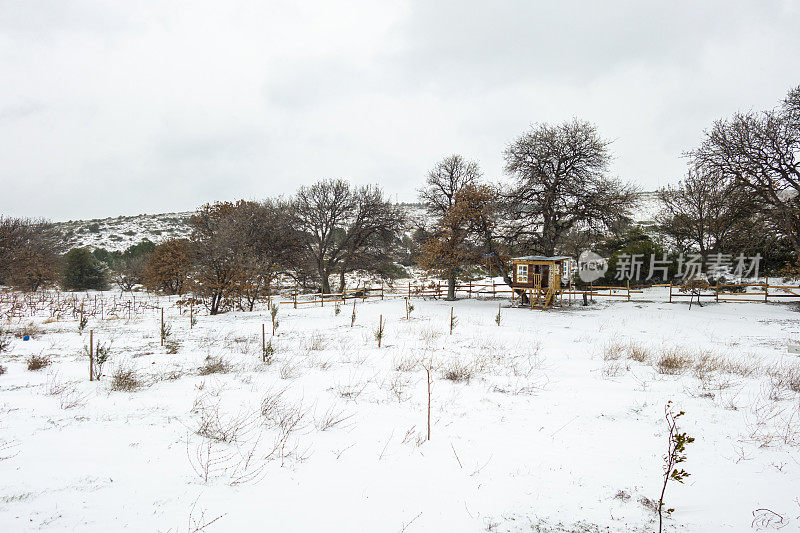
(28, 253)
(168, 267)
(454, 245)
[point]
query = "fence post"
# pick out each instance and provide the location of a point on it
(670, 292)
(264, 344)
(295, 296)
(161, 332)
(766, 290)
(629, 290)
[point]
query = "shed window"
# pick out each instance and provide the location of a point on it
(522, 273)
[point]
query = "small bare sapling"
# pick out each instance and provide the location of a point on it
(676, 454)
(269, 353)
(273, 312)
(453, 321)
(353, 316)
(379, 331)
(499, 316)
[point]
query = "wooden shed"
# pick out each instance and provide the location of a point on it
(540, 278)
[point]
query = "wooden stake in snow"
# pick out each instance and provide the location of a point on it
(264, 343)
(162, 326)
(191, 314)
(353, 317)
(91, 355)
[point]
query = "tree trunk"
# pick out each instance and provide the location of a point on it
(451, 287)
(324, 283)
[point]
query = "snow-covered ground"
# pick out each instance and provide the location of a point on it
(557, 425)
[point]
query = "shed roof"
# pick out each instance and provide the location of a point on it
(541, 258)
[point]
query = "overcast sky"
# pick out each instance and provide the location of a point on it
(111, 108)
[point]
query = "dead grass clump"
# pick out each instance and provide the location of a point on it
(2, 370)
(37, 362)
(30, 329)
(674, 361)
(215, 365)
(458, 371)
(352, 389)
(638, 353)
(613, 369)
(124, 379)
(613, 351)
(318, 362)
(316, 342)
(707, 363)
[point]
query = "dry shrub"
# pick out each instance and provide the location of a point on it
(2, 370)
(397, 386)
(215, 425)
(37, 362)
(673, 361)
(331, 418)
(405, 363)
(289, 369)
(786, 377)
(215, 365)
(124, 379)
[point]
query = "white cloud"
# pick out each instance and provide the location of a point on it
(119, 108)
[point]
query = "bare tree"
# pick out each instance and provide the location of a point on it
(560, 183)
(445, 180)
(706, 211)
(342, 226)
(219, 252)
(761, 153)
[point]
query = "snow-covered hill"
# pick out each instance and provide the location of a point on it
(121, 232)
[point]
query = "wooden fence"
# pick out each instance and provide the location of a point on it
(58, 305)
